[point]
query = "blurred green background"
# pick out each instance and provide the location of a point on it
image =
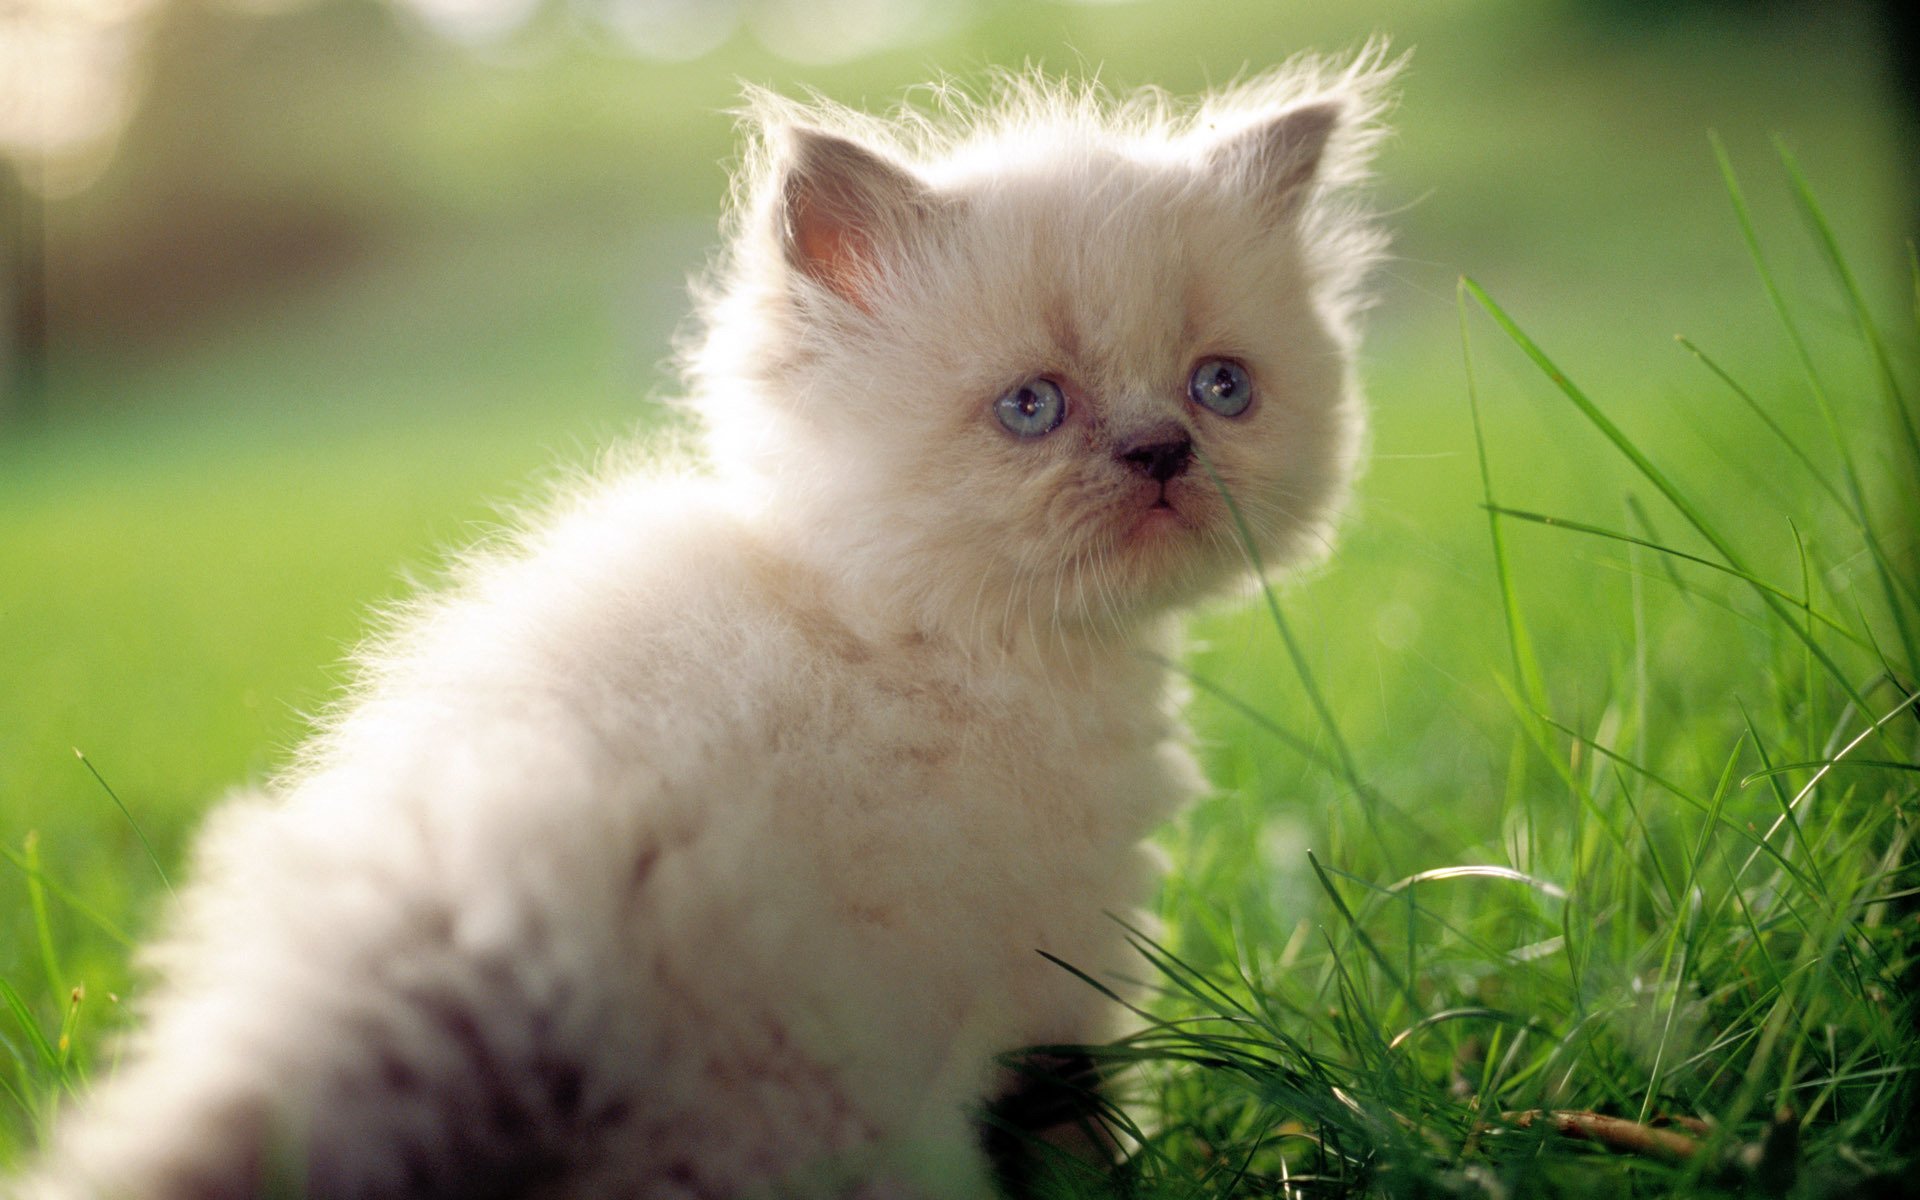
(350, 275)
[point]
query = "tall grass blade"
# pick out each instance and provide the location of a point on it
(1900, 412)
(1371, 799)
(36, 1038)
(1678, 499)
(1360, 934)
(65, 896)
(1891, 581)
(125, 812)
(1574, 526)
(1786, 439)
(1266, 724)
(1526, 667)
(1828, 764)
(43, 928)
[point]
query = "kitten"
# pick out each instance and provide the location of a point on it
(703, 843)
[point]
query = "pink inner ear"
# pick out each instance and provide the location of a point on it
(847, 211)
(837, 255)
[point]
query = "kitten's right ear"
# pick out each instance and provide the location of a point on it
(844, 211)
(1280, 156)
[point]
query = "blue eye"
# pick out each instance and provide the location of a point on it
(1221, 385)
(1034, 409)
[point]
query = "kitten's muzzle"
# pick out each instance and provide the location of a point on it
(1157, 456)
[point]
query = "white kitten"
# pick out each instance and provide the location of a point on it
(703, 844)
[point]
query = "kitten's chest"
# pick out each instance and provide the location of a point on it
(945, 764)
(956, 827)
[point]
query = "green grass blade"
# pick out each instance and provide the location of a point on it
(1266, 724)
(125, 812)
(1526, 666)
(1900, 412)
(1913, 273)
(1360, 934)
(1632, 453)
(43, 928)
(1372, 801)
(1828, 764)
(1651, 532)
(1786, 439)
(1629, 539)
(68, 898)
(24, 1018)
(1892, 582)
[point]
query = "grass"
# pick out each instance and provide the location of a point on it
(1559, 866)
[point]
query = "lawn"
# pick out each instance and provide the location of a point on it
(193, 535)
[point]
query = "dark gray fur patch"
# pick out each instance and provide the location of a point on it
(485, 1106)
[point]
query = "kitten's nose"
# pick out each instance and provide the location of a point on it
(1157, 455)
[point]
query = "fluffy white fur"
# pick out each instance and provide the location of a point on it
(701, 843)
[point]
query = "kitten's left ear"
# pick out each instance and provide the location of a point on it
(1278, 157)
(846, 212)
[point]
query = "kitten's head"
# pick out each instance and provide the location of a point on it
(1002, 368)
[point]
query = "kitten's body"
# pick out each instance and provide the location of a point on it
(705, 845)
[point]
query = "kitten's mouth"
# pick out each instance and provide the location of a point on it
(1158, 515)
(1163, 501)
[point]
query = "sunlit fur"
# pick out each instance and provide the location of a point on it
(701, 841)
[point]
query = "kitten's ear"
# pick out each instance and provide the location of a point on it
(1278, 157)
(844, 211)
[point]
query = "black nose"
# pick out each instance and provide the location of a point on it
(1158, 457)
